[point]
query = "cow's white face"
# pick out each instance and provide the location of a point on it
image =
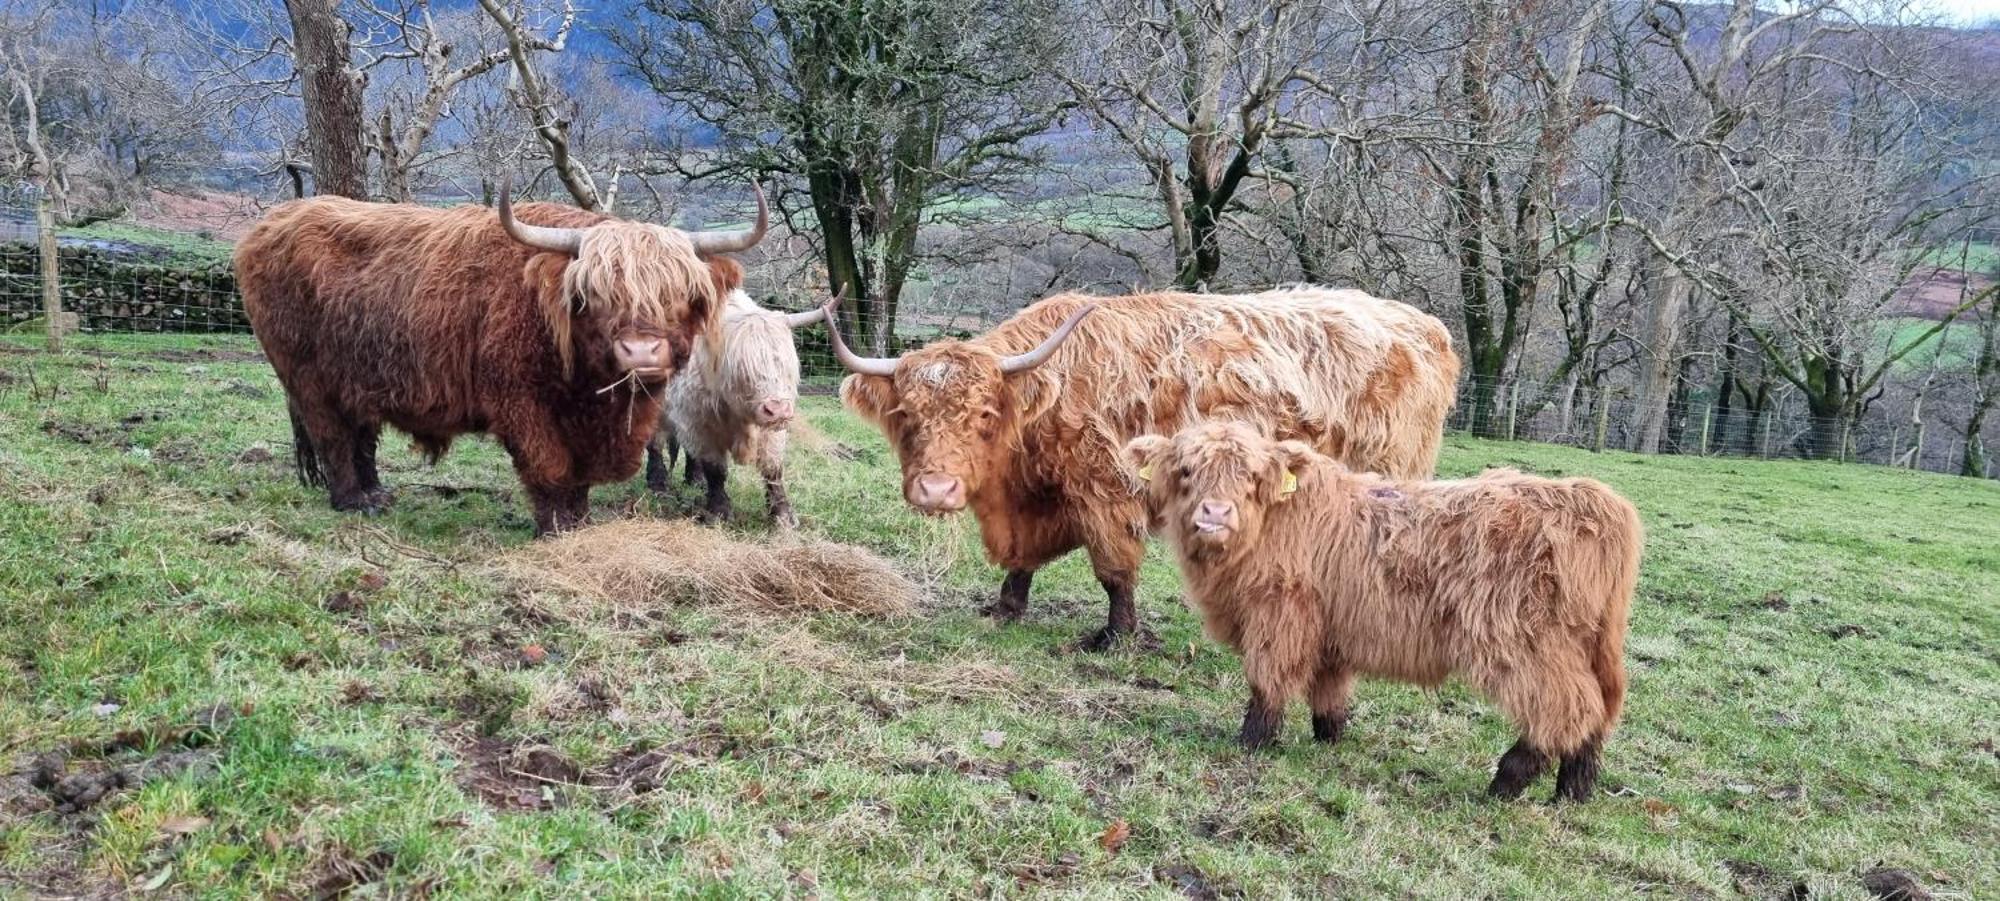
(760, 372)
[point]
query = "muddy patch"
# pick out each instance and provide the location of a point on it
(345, 871)
(509, 776)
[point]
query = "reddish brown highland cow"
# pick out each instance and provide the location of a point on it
(556, 337)
(1317, 574)
(1023, 425)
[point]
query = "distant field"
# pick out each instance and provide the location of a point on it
(1814, 687)
(1954, 349)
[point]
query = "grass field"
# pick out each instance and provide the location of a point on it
(276, 699)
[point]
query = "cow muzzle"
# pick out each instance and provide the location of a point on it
(937, 493)
(1214, 520)
(649, 359)
(776, 411)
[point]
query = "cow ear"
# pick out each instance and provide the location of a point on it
(1034, 391)
(727, 274)
(870, 396)
(1139, 454)
(1293, 456)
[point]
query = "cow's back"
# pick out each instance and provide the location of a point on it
(383, 306)
(1366, 380)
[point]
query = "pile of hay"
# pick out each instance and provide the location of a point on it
(641, 562)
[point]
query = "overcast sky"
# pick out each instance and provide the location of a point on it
(1968, 11)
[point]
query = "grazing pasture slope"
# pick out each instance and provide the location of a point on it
(256, 694)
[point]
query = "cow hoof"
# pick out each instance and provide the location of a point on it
(709, 516)
(785, 519)
(658, 486)
(367, 503)
(1003, 612)
(1105, 639)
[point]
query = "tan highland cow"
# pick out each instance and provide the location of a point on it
(1023, 425)
(1316, 574)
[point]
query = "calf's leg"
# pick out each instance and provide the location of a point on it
(1331, 689)
(1518, 767)
(1262, 719)
(771, 465)
(717, 474)
(1578, 775)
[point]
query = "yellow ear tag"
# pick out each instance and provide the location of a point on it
(1146, 473)
(1291, 484)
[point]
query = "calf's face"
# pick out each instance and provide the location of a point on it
(760, 371)
(1209, 487)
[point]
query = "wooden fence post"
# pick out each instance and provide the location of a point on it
(1917, 451)
(1707, 422)
(1603, 420)
(45, 231)
(1513, 408)
(1767, 433)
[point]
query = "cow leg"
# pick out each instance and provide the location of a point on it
(1263, 718)
(365, 440)
(692, 475)
(778, 501)
(656, 467)
(1518, 767)
(1013, 602)
(335, 444)
(1331, 689)
(558, 508)
(1116, 562)
(718, 508)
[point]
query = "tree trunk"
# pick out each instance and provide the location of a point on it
(1657, 364)
(1986, 390)
(332, 92)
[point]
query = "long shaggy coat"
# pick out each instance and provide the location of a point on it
(1363, 379)
(721, 412)
(1317, 574)
(437, 323)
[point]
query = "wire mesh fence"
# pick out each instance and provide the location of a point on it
(123, 277)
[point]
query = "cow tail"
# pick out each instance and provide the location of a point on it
(304, 459)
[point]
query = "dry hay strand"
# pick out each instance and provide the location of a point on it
(639, 562)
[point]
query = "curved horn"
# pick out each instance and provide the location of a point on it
(804, 318)
(1042, 352)
(737, 240)
(882, 366)
(554, 240)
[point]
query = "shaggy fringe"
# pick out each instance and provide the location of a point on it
(632, 268)
(635, 563)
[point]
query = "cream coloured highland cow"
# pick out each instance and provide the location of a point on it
(1317, 574)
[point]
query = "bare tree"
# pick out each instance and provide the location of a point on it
(536, 98)
(1195, 89)
(331, 88)
(884, 108)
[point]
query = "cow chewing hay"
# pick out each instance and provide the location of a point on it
(636, 563)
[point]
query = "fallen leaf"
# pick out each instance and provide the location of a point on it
(373, 580)
(1657, 807)
(182, 825)
(754, 792)
(993, 738)
(158, 879)
(534, 654)
(274, 840)
(1115, 836)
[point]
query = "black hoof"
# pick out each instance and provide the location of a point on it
(1328, 729)
(1104, 639)
(1003, 612)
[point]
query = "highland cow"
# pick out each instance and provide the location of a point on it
(1317, 574)
(1024, 425)
(556, 337)
(739, 409)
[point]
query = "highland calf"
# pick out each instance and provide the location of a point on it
(553, 333)
(1023, 425)
(739, 409)
(1316, 574)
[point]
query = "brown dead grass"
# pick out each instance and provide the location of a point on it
(640, 562)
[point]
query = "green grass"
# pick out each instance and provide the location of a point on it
(172, 247)
(1982, 257)
(1814, 687)
(1954, 349)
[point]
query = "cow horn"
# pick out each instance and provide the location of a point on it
(736, 240)
(882, 366)
(554, 240)
(804, 318)
(1042, 352)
